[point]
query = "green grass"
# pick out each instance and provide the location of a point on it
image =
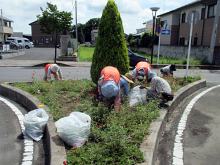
(86, 54)
(115, 136)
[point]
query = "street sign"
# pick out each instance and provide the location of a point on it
(195, 17)
(165, 31)
(158, 29)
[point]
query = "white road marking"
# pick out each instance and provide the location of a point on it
(28, 142)
(178, 145)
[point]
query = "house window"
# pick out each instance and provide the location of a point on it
(51, 39)
(211, 10)
(182, 41)
(37, 42)
(42, 39)
(203, 13)
(162, 23)
(183, 17)
(195, 41)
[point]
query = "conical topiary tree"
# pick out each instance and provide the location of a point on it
(110, 48)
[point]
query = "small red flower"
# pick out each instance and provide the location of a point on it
(119, 132)
(102, 119)
(105, 143)
(123, 126)
(74, 148)
(87, 121)
(64, 163)
(109, 120)
(96, 125)
(116, 151)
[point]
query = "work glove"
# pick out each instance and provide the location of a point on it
(142, 87)
(101, 97)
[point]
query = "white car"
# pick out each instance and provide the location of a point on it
(32, 45)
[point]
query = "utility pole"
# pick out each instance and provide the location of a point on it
(214, 32)
(76, 27)
(3, 38)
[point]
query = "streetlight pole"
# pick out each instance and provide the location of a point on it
(154, 9)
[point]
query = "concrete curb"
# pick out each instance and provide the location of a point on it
(150, 145)
(55, 144)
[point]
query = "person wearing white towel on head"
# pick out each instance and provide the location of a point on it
(53, 69)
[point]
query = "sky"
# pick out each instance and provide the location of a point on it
(133, 12)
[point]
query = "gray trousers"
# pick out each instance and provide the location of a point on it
(45, 76)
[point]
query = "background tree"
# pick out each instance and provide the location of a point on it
(110, 48)
(130, 36)
(80, 31)
(89, 26)
(53, 22)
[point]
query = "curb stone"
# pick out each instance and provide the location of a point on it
(56, 144)
(150, 145)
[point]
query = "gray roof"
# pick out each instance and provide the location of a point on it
(4, 18)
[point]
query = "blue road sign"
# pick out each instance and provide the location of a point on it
(165, 31)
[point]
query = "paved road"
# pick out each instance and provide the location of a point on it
(13, 150)
(199, 142)
(46, 54)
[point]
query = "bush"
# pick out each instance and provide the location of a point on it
(69, 45)
(110, 48)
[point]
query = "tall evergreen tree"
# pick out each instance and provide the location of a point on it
(110, 48)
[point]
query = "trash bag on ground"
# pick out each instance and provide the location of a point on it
(34, 123)
(137, 96)
(74, 129)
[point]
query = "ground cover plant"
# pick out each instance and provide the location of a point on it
(115, 136)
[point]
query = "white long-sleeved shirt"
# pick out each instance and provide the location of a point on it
(160, 85)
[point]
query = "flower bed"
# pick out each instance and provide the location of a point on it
(115, 135)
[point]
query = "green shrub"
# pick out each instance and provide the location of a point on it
(110, 48)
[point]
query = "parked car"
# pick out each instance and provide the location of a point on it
(134, 58)
(32, 44)
(23, 41)
(58, 45)
(13, 45)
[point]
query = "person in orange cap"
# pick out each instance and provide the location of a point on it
(53, 69)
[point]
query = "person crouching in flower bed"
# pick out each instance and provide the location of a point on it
(160, 89)
(53, 69)
(168, 70)
(109, 86)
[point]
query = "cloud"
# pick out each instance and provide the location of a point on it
(133, 13)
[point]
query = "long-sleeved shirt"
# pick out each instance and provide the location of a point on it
(124, 84)
(135, 72)
(117, 97)
(166, 70)
(160, 85)
(49, 73)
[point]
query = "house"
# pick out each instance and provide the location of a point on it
(94, 35)
(176, 24)
(7, 28)
(40, 39)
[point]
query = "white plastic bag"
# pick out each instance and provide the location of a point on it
(137, 96)
(35, 122)
(74, 129)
